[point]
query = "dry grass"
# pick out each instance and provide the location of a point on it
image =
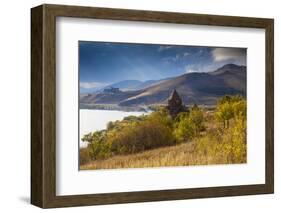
(179, 155)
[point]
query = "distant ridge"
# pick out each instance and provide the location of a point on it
(200, 88)
(134, 84)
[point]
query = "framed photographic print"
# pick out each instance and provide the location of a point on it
(136, 106)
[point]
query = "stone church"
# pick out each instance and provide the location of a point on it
(175, 105)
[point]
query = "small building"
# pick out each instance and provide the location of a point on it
(175, 105)
(112, 90)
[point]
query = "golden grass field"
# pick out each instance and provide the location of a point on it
(167, 156)
(185, 154)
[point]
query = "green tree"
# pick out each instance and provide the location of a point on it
(224, 99)
(229, 107)
(97, 144)
(110, 125)
(196, 118)
(185, 130)
(87, 138)
(240, 109)
(224, 113)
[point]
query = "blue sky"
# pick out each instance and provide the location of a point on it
(104, 63)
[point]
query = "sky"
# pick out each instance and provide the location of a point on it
(104, 63)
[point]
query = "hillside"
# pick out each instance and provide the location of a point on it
(200, 137)
(167, 156)
(199, 88)
(133, 84)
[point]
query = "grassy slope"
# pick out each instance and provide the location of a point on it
(179, 155)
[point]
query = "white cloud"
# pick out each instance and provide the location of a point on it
(177, 57)
(91, 85)
(237, 55)
(171, 60)
(162, 48)
(192, 68)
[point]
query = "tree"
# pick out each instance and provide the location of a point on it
(194, 107)
(240, 109)
(189, 124)
(185, 130)
(196, 118)
(110, 125)
(224, 113)
(225, 99)
(230, 107)
(87, 138)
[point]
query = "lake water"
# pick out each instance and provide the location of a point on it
(93, 120)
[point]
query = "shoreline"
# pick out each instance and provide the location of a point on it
(115, 107)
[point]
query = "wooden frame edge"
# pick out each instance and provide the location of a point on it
(36, 106)
(43, 106)
(269, 118)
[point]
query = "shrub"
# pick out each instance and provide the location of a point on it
(227, 146)
(97, 147)
(196, 118)
(188, 125)
(84, 156)
(240, 109)
(229, 107)
(185, 130)
(238, 146)
(110, 125)
(148, 134)
(132, 134)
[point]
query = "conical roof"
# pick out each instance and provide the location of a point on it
(174, 95)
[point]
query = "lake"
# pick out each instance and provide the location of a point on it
(92, 120)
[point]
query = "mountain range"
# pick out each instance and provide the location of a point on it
(133, 84)
(197, 87)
